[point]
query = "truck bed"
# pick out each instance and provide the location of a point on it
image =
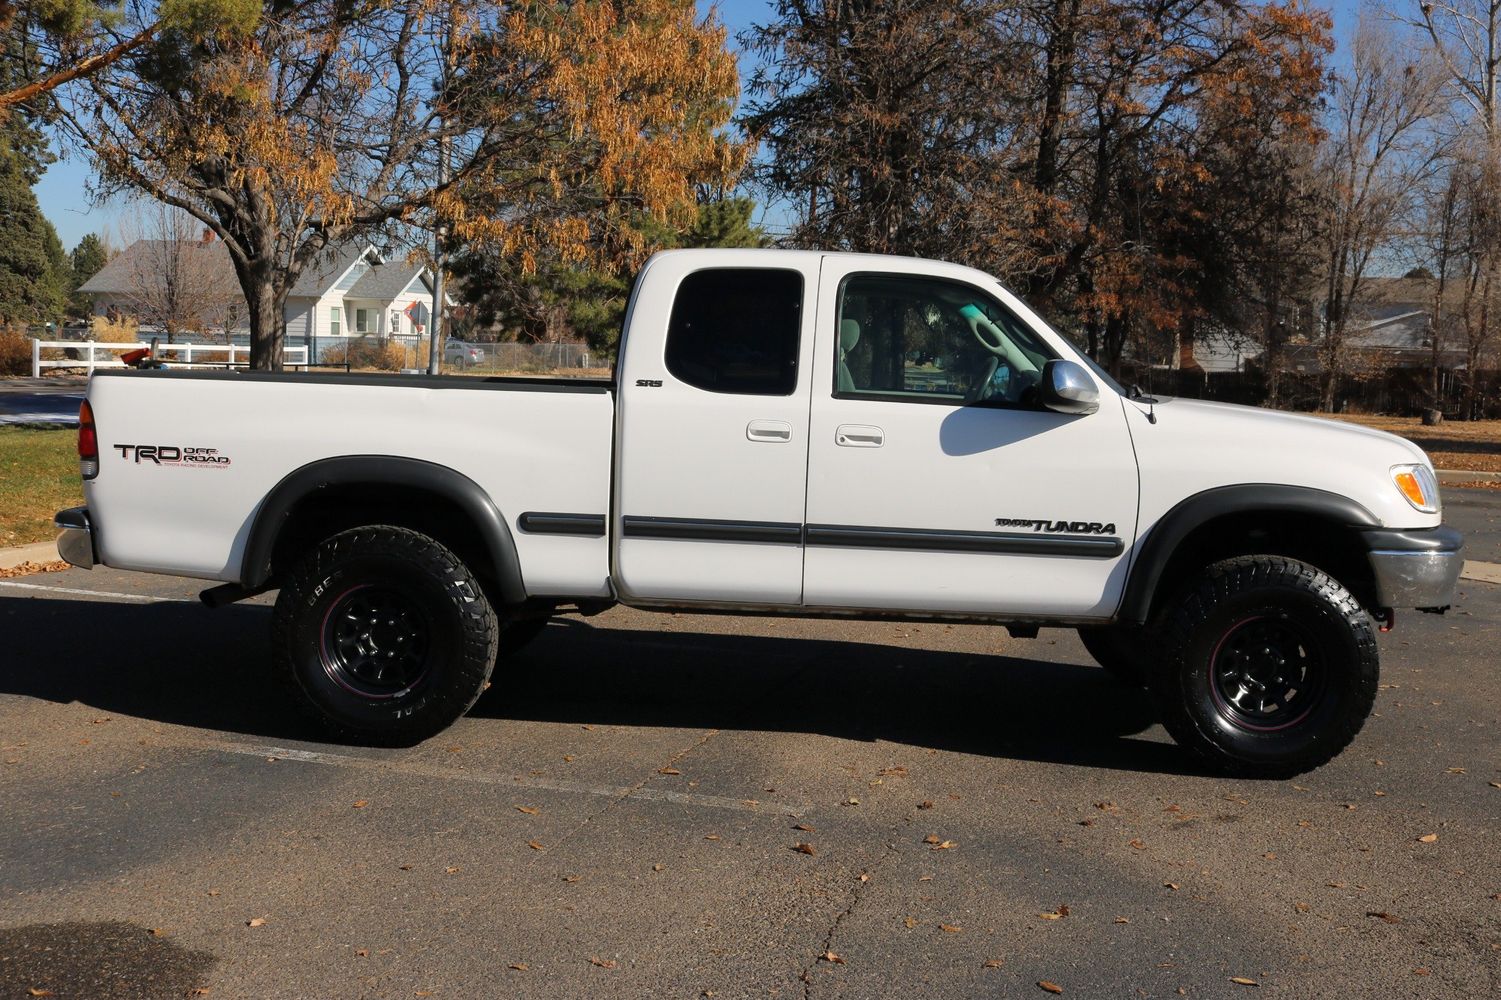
(535, 445)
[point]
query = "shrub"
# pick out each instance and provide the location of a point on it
(382, 355)
(126, 331)
(15, 351)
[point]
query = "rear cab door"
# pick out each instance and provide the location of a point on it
(712, 431)
(936, 483)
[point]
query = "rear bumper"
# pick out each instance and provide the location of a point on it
(1415, 568)
(75, 538)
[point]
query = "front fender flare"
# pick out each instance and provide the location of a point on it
(381, 470)
(1161, 542)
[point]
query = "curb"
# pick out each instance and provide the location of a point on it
(1448, 477)
(38, 553)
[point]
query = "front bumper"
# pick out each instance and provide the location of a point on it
(75, 538)
(1415, 568)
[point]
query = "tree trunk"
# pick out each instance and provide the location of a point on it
(268, 327)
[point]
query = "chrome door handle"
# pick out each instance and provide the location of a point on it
(772, 431)
(859, 436)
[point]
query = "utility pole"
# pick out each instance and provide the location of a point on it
(440, 232)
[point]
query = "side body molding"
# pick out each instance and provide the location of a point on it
(377, 471)
(1159, 544)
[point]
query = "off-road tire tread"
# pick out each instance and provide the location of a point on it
(479, 641)
(1191, 609)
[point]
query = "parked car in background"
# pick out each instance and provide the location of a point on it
(457, 354)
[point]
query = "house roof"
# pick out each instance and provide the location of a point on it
(382, 280)
(385, 281)
(130, 270)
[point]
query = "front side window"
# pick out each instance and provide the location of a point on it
(735, 330)
(334, 320)
(362, 321)
(931, 340)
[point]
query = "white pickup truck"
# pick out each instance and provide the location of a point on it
(787, 433)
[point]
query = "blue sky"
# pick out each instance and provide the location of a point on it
(65, 199)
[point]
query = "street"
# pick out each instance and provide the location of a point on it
(686, 806)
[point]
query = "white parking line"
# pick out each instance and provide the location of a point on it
(142, 598)
(493, 778)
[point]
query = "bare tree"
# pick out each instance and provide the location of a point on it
(180, 279)
(1376, 155)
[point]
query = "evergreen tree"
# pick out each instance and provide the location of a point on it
(85, 261)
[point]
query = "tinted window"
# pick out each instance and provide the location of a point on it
(930, 340)
(736, 330)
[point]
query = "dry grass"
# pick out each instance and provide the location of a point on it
(1470, 446)
(38, 478)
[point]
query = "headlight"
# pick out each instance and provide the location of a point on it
(1417, 484)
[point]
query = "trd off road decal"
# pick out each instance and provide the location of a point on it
(1058, 527)
(168, 454)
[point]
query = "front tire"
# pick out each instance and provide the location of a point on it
(383, 636)
(1270, 667)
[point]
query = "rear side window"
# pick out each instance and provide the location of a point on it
(736, 330)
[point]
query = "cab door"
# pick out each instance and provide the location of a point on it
(935, 481)
(712, 435)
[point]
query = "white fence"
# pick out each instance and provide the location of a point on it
(91, 354)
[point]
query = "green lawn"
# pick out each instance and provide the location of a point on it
(38, 478)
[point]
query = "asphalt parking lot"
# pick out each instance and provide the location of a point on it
(620, 816)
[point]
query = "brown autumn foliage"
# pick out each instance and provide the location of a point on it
(325, 121)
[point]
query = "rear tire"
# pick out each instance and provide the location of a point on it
(383, 636)
(1127, 653)
(1270, 667)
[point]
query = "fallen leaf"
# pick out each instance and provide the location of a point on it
(361, 804)
(534, 845)
(805, 849)
(455, 749)
(1137, 843)
(529, 810)
(603, 963)
(451, 870)
(256, 922)
(1302, 907)
(518, 966)
(1122, 920)
(894, 772)
(910, 922)
(422, 993)
(1243, 981)
(572, 878)
(1170, 885)
(1050, 987)
(928, 803)
(39, 993)
(1336, 885)
(362, 952)
(157, 931)
(657, 868)
(668, 770)
(805, 828)
(865, 876)
(950, 928)
(829, 956)
(1428, 838)
(947, 845)
(1270, 856)
(1422, 970)
(711, 836)
(1495, 784)
(993, 963)
(201, 991)
(213, 892)
(1086, 822)
(1383, 916)
(1454, 770)
(1051, 916)
(852, 801)
(569, 758)
(931, 838)
(405, 868)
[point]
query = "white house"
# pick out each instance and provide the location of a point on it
(349, 290)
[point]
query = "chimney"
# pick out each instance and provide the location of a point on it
(208, 235)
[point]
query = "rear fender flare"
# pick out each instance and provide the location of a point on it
(382, 470)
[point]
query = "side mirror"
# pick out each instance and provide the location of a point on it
(1067, 388)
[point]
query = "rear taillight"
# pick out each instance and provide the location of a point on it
(88, 442)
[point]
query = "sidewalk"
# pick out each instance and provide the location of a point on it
(41, 552)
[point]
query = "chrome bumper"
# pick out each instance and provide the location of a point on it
(75, 538)
(1417, 568)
